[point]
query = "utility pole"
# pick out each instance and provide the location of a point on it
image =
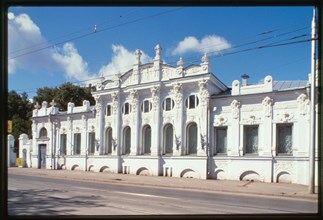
(313, 109)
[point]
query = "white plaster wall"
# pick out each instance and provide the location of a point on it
(256, 169)
(11, 154)
(133, 165)
(25, 145)
(102, 164)
(251, 110)
(194, 167)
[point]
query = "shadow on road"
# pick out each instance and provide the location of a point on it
(48, 202)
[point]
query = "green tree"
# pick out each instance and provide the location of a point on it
(64, 94)
(20, 108)
(19, 112)
(71, 93)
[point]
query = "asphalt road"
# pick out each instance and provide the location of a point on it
(37, 195)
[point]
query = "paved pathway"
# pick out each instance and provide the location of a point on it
(227, 186)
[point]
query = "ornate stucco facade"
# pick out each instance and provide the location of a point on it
(180, 121)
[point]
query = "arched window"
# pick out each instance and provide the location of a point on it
(126, 108)
(168, 139)
(168, 104)
(146, 139)
(192, 101)
(108, 141)
(43, 133)
(126, 140)
(108, 110)
(191, 138)
(91, 142)
(146, 106)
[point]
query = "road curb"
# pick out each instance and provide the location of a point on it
(119, 180)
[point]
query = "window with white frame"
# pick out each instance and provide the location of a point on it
(168, 104)
(63, 141)
(146, 106)
(91, 142)
(220, 135)
(126, 108)
(108, 141)
(126, 140)
(191, 138)
(77, 143)
(284, 139)
(192, 101)
(168, 139)
(108, 110)
(43, 133)
(251, 139)
(146, 139)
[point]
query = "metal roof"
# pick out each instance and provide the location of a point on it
(288, 85)
(277, 86)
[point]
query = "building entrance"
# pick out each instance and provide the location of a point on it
(42, 156)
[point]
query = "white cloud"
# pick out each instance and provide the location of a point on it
(210, 43)
(25, 37)
(122, 61)
(72, 62)
(11, 16)
(26, 52)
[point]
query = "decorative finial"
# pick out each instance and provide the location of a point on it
(37, 105)
(180, 62)
(138, 54)
(53, 103)
(205, 58)
(158, 51)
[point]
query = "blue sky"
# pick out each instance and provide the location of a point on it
(49, 46)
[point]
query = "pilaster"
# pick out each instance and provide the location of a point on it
(267, 127)
(235, 149)
(116, 124)
(203, 122)
(99, 125)
(155, 125)
(135, 132)
(177, 94)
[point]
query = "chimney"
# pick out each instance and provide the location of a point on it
(245, 78)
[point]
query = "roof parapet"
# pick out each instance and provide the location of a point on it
(238, 89)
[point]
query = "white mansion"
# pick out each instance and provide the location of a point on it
(180, 121)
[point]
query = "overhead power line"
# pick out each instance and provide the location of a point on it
(210, 57)
(97, 31)
(71, 33)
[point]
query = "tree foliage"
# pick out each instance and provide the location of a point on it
(64, 94)
(19, 112)
(20, 108)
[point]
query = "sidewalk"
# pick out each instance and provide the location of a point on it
(225, 186)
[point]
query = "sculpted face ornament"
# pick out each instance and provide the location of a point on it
(235, 105)
(303, 102)
(267, 103)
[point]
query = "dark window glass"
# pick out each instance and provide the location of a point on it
(251, 139)
(284, 139)
(108, 110)
(221, 140)
(63, 144)
(91, 143)
(77, 143)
